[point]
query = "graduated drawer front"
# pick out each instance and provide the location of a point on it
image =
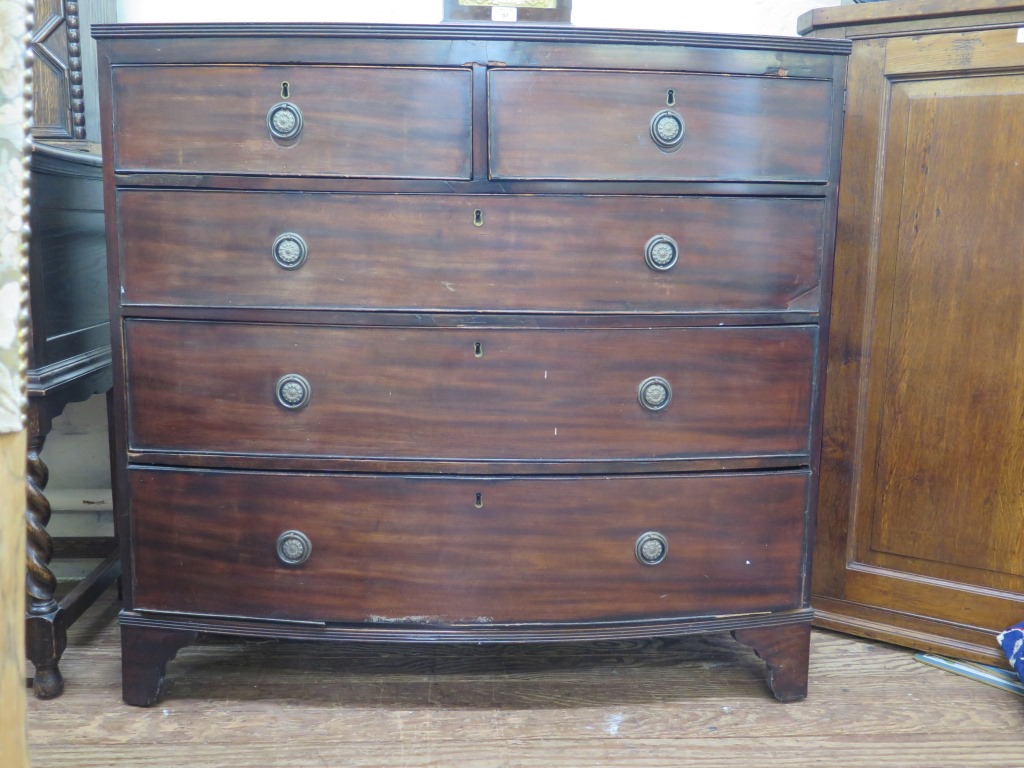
(356, 121)
(430, 393)
(429, 252)
(564, 124)
(413, 550)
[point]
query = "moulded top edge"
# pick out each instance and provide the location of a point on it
(524, 33)
(898, 11)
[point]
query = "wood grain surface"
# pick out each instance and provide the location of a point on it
(695, 702)
(920, 527)
(382, 122)
(69, 257)
(952, 377)
(474, 296)
(427, 252)
(548, 124)
(13, 746)
(431, 551)
(425, 393)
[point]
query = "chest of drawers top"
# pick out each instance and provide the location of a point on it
(468, 104)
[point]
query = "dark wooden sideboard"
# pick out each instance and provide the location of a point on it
(921, 519)
(467, 333)
(69, 352)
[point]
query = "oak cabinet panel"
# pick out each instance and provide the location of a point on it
(920, 527)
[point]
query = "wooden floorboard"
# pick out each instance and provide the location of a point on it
(698, 701)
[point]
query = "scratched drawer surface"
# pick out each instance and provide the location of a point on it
(464, 253)
(399, 122)
(489, 394)
(401, 549)
(561, 124)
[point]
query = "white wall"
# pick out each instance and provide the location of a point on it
(765, 17)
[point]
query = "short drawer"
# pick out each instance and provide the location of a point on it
(348, 121)
(463, 393)
(461, 253)
(414, 550)
(561, 124)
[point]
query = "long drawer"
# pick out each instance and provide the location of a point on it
(466, 393)
(429, 252)
(560, 124)
(414, 550)
(398, 122)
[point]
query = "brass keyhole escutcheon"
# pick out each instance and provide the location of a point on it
(285, 89)
(478, 349)
(479, 502)
(478, 218)
(670, 97)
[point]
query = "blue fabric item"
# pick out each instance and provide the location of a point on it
(1012, 641)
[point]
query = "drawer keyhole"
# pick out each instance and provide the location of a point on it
(285, 89)
(670, 97)
(479, 503)
(478, 349)
(478, 218)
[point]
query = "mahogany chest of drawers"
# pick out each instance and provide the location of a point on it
(467, 333)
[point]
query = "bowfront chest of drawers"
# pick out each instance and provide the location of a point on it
(467, 333)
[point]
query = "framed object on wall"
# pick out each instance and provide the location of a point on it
(542, 11)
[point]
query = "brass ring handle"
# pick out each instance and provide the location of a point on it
(284, 121)
(289, 251)
(293, 548)
(651, 548)
(293, 391)
(654, 393)
(668, 129)
(661, 253)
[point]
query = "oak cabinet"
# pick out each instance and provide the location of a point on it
(920, 535)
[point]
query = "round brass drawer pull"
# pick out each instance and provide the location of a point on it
(293, 548)
(293, 391)
(651, 548)
(284, 121)
(289, 251)
(668, 129)
(661, 253)
(654, 393)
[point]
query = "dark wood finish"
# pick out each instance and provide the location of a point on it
(475, 634)
(145, 652)
(64, 94)
(543, 419)
(67, 269)
(548, 124)
(510, 560)
(424, 393)
(397, 122)
(69, 361)
(785, 653)
(425, 253)
(84, 547)
(919, 531)
(58, 103)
